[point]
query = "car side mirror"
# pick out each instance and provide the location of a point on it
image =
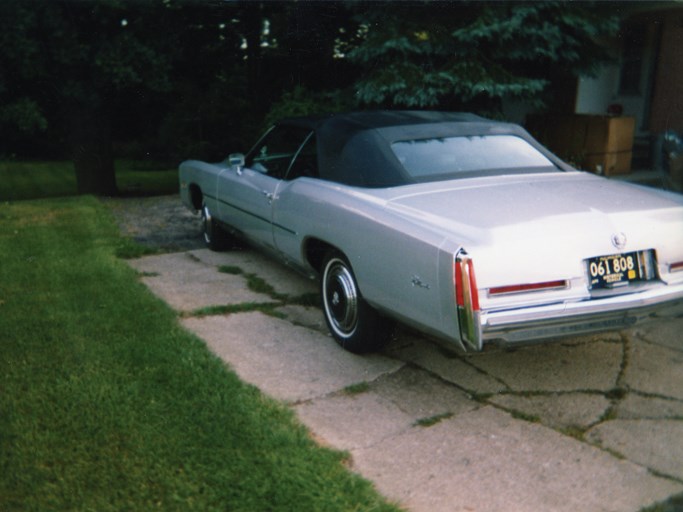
(236, 160)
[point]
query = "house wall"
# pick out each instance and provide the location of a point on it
(595, 95)
(667, 99)
(646, 78)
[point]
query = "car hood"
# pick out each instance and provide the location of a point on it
(547, 222)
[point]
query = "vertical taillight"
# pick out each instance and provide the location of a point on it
(466, 282)
(467, 300)
(459, 295)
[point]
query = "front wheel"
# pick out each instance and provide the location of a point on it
(354, 324)
(215, 237)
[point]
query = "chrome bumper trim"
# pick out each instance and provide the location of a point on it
(566, 319)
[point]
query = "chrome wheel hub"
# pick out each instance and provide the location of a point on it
(341, 298)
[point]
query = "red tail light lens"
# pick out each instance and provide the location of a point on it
(530, 287)
(466, 284)
(467, 301)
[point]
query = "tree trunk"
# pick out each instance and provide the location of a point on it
(91, 152)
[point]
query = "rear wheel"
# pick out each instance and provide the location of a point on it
(354, 324)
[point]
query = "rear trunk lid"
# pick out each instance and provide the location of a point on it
(543, 227)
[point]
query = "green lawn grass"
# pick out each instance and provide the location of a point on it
(21, 180)
(106, 403)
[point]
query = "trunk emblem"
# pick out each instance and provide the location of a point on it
(619, 240)
(417, 281)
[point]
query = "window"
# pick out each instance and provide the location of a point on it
(306, 162)
(434, 159)
(273, 154)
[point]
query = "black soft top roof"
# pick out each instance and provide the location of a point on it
(355, 148)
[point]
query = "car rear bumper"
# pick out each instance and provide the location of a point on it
(566, 319)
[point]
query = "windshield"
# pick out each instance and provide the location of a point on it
(443, 158)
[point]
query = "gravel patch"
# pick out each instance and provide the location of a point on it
(161, 222)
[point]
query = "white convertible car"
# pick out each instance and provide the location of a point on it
(463, 228)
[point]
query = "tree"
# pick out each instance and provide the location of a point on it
(202, 76)
(195, 76)
(69, 63)
(297, 71)
(473, 55)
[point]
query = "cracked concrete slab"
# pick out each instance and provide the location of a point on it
(656, 444)
(485, 460)
(635, 406)
(305, 316)
(654, 369)
(422, 395)
(353, 421)
(555, 367)
(559, 411)
(391, 405)
(186, 284)
(191, 280)
(444, 363)
(281, 278)
(287, 362)
(666, 332)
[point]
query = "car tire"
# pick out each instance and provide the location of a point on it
(354, 324)
(215, 237)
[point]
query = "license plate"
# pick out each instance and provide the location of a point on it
(614, 270)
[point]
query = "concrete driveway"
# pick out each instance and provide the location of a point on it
(590, 424)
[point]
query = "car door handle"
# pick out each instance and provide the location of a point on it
(269, 195)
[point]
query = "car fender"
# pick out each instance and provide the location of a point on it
(402, 268)
(193, 175)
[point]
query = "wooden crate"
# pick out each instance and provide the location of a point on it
(608, 164)
(587, 141)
